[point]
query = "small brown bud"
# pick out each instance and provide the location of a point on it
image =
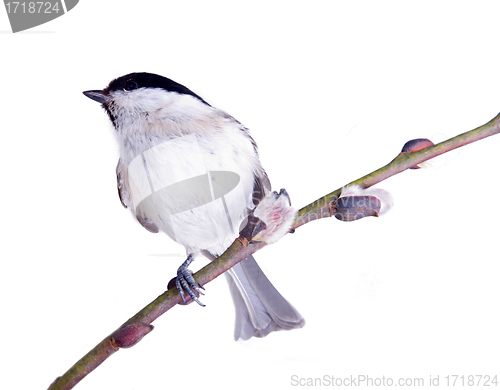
(415, 145)
(171, 284)
(129, 335)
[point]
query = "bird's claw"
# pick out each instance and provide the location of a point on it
(186, 283)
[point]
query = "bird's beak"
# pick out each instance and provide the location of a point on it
(96, 95)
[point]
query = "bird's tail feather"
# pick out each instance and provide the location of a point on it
(260, 308)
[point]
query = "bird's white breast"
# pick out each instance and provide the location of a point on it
(178, 181)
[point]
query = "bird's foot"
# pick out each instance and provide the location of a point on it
(186, 283)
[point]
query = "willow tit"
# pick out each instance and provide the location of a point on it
(193, 172)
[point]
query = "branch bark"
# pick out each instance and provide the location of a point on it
(138, 326)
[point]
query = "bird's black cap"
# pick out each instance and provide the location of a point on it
(148, 80)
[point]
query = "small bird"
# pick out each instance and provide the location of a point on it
(193, 172)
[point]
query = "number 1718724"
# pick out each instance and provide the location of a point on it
(471, 380)
(32, 7)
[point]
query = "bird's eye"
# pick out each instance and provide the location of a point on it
(131, 85)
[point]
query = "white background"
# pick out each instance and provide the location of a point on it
(331, 91)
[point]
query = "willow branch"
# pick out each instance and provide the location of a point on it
(139, 325)
(322, 207)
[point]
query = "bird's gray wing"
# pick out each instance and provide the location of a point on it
(261, 187)
(123, 191)
(125, 197)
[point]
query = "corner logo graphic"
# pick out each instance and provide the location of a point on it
(27, 14)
